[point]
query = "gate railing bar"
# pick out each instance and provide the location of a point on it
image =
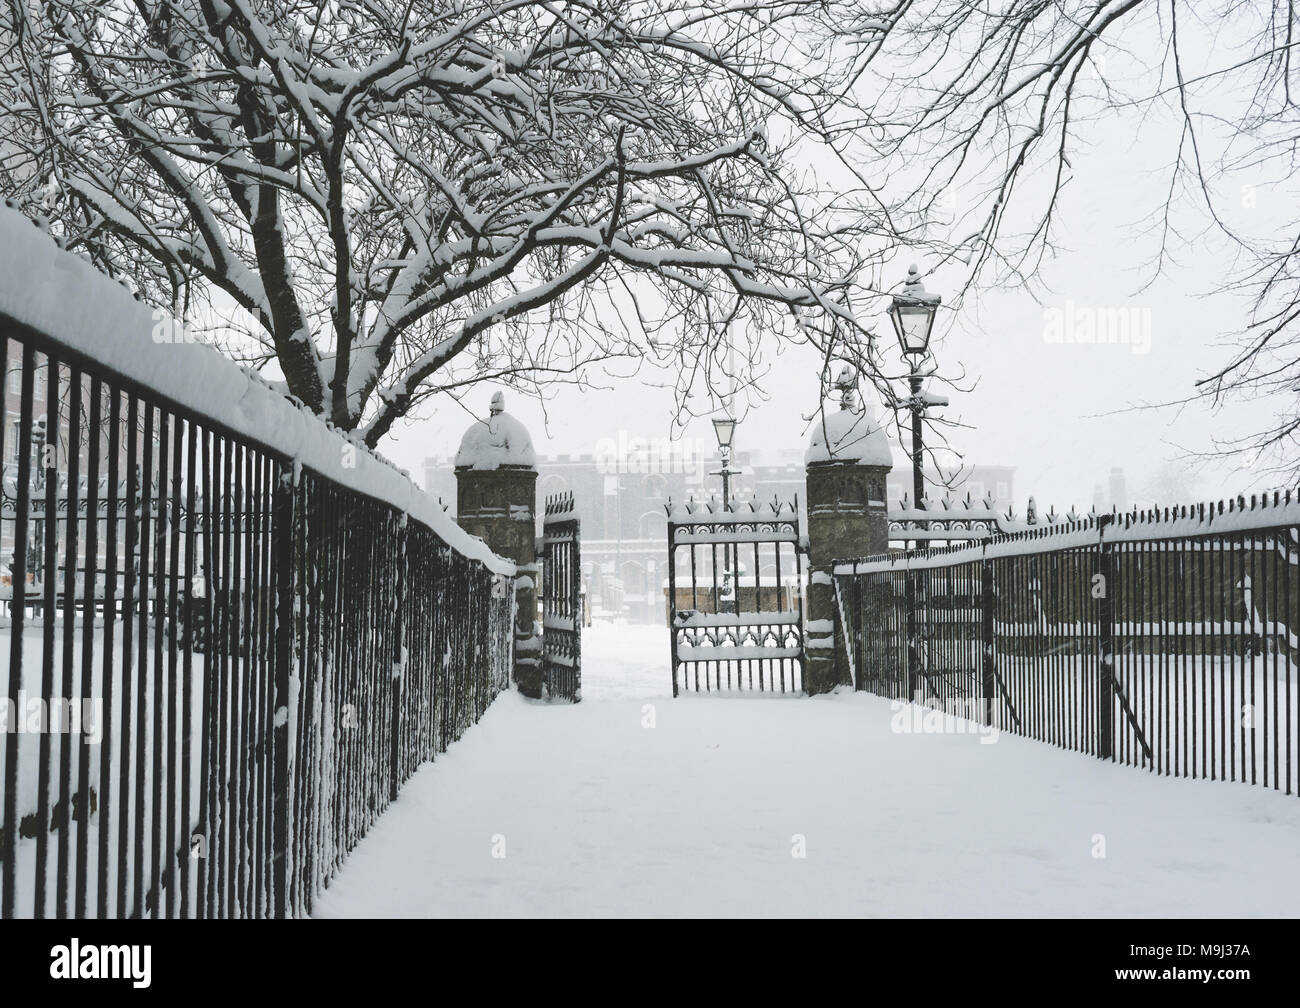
(1179, 620)
(768, 642)
(235, 766)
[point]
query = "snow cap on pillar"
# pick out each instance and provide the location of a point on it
(852, 433)
(499, 441)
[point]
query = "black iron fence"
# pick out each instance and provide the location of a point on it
(562, 599)
(1163, 639)
(218, 664)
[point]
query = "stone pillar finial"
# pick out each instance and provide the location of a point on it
(498, 404)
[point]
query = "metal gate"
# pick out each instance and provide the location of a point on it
(735, 597)
(561, 600)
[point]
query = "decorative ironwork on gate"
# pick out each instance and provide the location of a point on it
(561, 599)
(736, 627)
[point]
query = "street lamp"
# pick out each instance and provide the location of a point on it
(725, 428)
(913, 314)
(40, 449)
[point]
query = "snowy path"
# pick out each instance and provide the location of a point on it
(695, 816)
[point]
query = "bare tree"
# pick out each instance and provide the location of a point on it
(982, 108)
(402, 198)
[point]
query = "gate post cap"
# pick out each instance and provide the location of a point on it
(850, 434)
(498, 442)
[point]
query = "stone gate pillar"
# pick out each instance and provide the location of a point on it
(848, 460)
(496, 500)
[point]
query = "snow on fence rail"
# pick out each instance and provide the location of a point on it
(264, 630)
(1164, 639)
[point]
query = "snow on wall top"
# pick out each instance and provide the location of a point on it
(63, 296)
(500, 440)
(849, 435)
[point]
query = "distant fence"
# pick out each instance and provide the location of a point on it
(263, 629)
(1163, 639)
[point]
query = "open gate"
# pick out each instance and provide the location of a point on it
(561, 600)
(735, 597)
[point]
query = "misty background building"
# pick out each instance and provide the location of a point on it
(621, 487)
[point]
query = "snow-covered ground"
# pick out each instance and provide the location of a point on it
(632, 803)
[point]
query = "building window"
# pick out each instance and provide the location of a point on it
(1004, 491)
(977, 491)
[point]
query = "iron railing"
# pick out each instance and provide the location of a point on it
(1164, 639)
(735, 597)
(562, 599)
(260, 653)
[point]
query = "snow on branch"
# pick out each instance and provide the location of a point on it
(399, 195)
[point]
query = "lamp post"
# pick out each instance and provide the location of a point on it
(913, 314)
(40, 448)
(725, 428)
